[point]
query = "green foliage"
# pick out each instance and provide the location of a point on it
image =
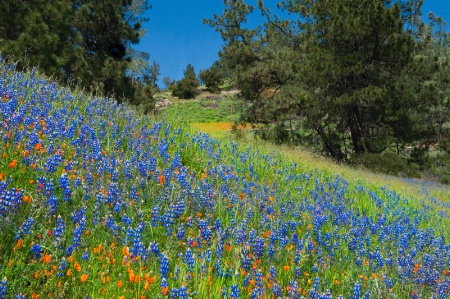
(387, 163)
(186, 88)
(213, 77)
(87, 43)
(169, 83)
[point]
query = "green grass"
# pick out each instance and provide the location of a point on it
(203, 110)
(225, 213)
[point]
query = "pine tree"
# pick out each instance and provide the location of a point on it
(81, 41)
(328, 74)
(186, 88)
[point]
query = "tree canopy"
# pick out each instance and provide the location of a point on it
(81, 41)
(186, 88)
(351, 76)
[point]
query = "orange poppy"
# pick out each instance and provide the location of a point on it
(77, 266)
(161, 179)
(13, 163)
(47, 258)
(84, 277)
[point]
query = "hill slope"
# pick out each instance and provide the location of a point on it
(97, 201)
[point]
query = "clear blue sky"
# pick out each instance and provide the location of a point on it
(177, 36)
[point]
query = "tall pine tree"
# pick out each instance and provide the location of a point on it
(82, 41)
(331, 73)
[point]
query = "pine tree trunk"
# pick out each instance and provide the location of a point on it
(355, 129)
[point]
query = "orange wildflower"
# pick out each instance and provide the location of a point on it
(77, 266)
(84, 277)
(25, 153)
(47, 258)
(27, 199)
(227, 248)
(13, 163)
(161, 179)
(69, 272)
(1, 176)
(119, 283)
(38, 146)
(164, 290)
(36, 274)
(125, 251)
(131, 275)
(19, 243)
(286, 268)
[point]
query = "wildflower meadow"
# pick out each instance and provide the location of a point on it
(98, 201)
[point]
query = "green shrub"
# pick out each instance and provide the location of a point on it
(212, 77)
(387, 163)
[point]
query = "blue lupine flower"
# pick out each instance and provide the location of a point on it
(155, 216)
(36, 249)
(164, 265)
(235, 291)
(3, 288)
(182, 294)
(62, 267)
(356, 291)
(180, 232)
(64, 183)
(25, 228)
(85, 255)
(316, 284)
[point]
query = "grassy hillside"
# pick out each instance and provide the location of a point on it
(97, 201)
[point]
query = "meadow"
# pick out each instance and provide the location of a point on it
(99, 201)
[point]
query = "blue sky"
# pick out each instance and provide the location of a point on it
(176, 35)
